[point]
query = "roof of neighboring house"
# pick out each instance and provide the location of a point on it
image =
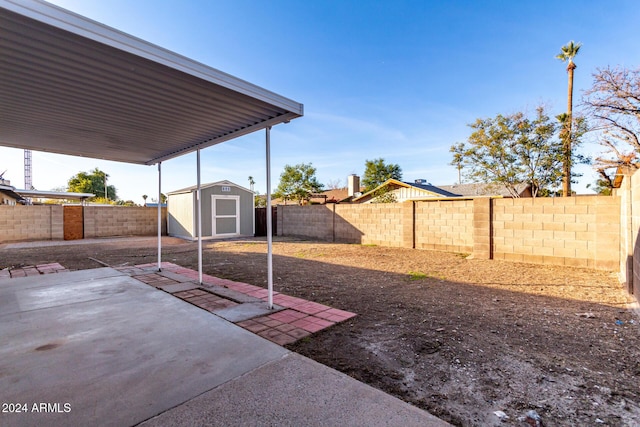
(479, 189)
(432, 188)
(38, 194)
(208, 185)
(336, 195)
(436, 191)
(9, 191)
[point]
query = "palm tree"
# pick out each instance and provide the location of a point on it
(567, 53)
(144, 196)
(458, 151)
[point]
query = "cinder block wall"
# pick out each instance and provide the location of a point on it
(24, 223)
(46, 222)
(107, 221)
(367, 224)
(308, 221)
(633, 254)
(444, 225)
(574, 231)
(370, 224)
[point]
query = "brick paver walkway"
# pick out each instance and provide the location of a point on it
(291, 319)
(32, 270)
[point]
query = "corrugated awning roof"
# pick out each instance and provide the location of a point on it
(73, 86)
(54, 194)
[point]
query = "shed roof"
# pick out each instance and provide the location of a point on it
(74, 86)
(209, 185)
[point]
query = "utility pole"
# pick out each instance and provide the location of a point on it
(28, 181)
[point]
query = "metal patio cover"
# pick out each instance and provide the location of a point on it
(73, 86)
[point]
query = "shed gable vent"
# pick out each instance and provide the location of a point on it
(226, 188)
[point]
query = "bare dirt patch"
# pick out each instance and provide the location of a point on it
(461, 338)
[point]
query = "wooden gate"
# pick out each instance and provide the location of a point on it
(73, 220)
(261, 221)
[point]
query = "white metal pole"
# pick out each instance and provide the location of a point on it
(199, 201)
(269, 219)
(159, 216)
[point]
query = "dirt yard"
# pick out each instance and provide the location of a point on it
(461, 338)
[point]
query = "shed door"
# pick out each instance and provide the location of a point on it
(226, 215)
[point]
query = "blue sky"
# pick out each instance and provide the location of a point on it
(393, 79)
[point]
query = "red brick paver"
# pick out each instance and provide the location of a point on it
(34, 270)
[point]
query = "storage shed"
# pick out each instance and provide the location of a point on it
(227, 211)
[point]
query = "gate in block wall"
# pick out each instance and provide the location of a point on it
(261, 221)
(73, 220)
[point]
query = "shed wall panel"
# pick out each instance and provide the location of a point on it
(181, 215)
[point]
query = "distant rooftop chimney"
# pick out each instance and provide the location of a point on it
(353, 185)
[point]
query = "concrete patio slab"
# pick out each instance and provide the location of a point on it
(116, 351)
(42, 292)
(246, 311)
(50, 279)
(179, 287)
(231, 294)
(295, 391)
(175, 276)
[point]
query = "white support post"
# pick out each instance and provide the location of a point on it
(159, 216)
(199, 201)
(269, 220)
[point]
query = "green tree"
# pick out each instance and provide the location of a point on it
(377, 171)
(384, 195)
(260, 201)
(603, 186)
(298, 183)
(512, 150)
(95, 182)
(567, 53)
